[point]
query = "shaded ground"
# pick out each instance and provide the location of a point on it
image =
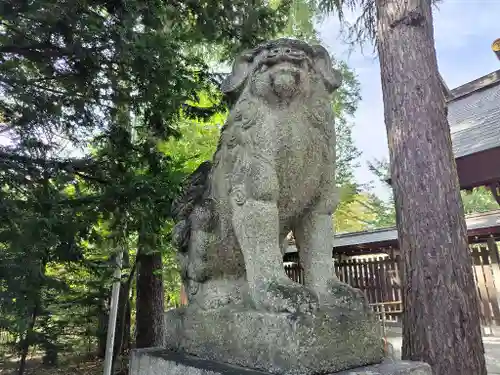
(491, 348)
(83, 365)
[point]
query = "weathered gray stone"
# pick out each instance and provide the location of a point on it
(273, 172)
(327, 341)
(163, 362)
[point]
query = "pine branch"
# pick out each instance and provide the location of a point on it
(79, 167)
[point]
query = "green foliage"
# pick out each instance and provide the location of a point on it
(301, 21)
(108, 106)
(345, 105)
(478, 200)
(363, 211)
(38, 231)
(62, 62)
(122, 78)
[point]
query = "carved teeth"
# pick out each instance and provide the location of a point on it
(289, 68)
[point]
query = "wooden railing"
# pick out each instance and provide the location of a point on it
(378, 277)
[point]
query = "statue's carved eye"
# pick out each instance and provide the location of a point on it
(289, 51)
(274, 52)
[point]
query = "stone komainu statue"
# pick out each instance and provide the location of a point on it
(273, 172)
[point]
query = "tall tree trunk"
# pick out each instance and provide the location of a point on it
(102, 327)
(28, 338)
(121, 324)
(441, 318)
(122, 338)
(37, 306)
(121, 320)
(128, 311)
(150, 294)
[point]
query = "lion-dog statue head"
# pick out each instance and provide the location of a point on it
(281, 69)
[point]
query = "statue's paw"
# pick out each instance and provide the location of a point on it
(284, 295)
(342, 294)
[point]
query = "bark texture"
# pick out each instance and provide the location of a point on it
(441, 319)
(102, 327)
(122, 321)
(150, 295)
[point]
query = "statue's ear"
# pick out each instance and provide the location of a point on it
(323, 65)
(242, 67)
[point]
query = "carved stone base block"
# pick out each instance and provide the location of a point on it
(162, 362)
(331, 340)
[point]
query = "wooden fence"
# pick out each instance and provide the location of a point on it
(378, 277)
(486, 266)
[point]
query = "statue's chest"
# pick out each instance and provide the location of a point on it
(291, 141)
(298, 151)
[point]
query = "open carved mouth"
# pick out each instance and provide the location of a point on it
(288, 68)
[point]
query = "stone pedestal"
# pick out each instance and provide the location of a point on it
(163, 362)
(331, 340)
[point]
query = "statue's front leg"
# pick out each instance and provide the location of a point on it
(256, 225)
(314, 238)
